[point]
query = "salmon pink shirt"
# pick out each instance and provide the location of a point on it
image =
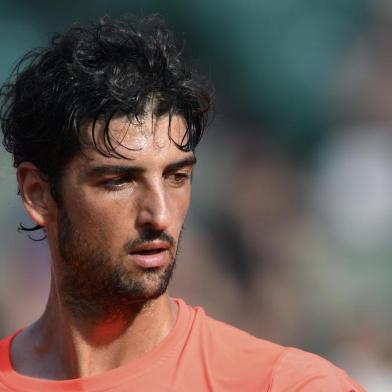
(199, 354)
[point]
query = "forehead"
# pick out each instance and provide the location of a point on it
(160, 132)
(150, 136)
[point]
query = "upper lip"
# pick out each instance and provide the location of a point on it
(156, 245)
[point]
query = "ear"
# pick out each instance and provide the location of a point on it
(35, 193)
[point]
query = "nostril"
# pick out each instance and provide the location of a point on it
(154, 218)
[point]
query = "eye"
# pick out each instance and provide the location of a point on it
(116, 183)
(178, 178)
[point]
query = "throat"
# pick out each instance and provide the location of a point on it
(106, 332)
(72, 349)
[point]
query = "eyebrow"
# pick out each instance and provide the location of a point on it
(189, 161)
(125, 169)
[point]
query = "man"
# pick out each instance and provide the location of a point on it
(103, 125)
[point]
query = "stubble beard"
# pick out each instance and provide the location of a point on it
(94, 286)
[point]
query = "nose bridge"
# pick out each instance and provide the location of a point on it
(153, 208)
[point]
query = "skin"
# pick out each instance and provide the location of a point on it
(104, 309)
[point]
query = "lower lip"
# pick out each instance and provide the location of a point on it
(150, 261)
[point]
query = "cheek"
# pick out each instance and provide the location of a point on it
(180, 204)
(97, 218)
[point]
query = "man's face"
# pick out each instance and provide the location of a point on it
(119, 220)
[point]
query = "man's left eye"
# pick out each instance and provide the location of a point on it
(178, 178)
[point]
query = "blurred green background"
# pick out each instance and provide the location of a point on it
(289, 235)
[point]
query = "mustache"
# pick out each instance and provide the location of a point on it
(149, 236)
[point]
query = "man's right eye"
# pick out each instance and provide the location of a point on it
(116, 183)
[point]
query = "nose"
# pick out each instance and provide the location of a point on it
(153, 210)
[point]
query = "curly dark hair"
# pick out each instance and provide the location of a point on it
(91, 73)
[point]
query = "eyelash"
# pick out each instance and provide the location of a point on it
(180, 178)
(116, 184)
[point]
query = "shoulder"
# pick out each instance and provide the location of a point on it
(5, 363)
(227, 338)
(5, 346)
(307, 372)
(247, 360)
(227, 353)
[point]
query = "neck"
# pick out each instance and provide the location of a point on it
(61, 346)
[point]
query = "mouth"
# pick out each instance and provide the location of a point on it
(150, 247)
(150, 255)
(148, 252)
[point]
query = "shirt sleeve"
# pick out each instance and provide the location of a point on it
(299, 371)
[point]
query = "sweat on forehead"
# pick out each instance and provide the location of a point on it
(124, 134)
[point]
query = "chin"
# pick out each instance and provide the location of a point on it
(148, 284)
